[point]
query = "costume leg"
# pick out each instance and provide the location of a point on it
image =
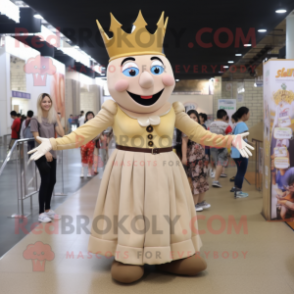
(190, 266)
(126, 273)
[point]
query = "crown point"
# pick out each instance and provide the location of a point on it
(114, 24)
(161, 20)
(165, 24)
(103, 34)
(99, 26)
(140, 21)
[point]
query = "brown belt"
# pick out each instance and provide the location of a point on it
(145, 150)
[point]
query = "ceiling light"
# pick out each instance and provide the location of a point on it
(281, 11)
(177, 80)
(38, 16)
(231, 61)
(225, 66)
(247, 45)
(262, 30)
(238, 54)
(10, 10)
(78, 55)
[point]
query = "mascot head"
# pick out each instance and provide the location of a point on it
(139, 76)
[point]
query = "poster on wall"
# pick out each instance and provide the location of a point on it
(229, 105)
(278, 136)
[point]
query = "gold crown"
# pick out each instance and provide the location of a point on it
(138, 42)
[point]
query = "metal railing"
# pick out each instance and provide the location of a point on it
(18, 166)
(20, 176)
(4, 143)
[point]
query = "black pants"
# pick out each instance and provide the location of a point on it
(48, 179)
(242, 164)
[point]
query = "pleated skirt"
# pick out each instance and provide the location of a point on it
(145, 212)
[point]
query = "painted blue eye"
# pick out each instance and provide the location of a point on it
(157, 69)
(131, 72)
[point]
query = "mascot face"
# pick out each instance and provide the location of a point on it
(140, 83)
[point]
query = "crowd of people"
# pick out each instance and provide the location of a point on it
(198, 161)
(196, 158)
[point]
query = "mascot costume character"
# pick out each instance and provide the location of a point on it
(144, 212)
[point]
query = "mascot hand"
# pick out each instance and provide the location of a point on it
(42, 149)
(242, 146)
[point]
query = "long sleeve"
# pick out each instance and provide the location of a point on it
(89, 130)
(196, 132)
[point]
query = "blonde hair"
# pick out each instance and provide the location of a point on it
(51, 113)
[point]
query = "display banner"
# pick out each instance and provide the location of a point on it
(229, 105)
(278, 137)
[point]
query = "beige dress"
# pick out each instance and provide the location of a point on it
(145, 212)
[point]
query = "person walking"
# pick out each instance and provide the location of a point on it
(87, 151)
(45, 124)
(82, 118)
(234, 122)
(70, 121)
(242, 115)
(15, 128)
(194, 159)
(219, 155)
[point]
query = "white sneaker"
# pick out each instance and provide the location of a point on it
(240, 194)
(82, 172)
(89, 175)
(52, 215)
(198, 207)
(216, 184)
(204, 205)
(43, 218)
(212, 173)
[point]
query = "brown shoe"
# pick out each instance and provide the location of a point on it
(126, 273)
(190, 266)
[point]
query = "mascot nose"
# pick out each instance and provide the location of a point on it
(146, 80)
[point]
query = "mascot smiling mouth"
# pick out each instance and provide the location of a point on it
(146, 100)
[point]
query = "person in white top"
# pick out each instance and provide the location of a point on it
(82, 118)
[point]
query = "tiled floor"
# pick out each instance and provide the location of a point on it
(258, 260)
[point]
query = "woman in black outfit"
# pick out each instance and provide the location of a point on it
(45, 124)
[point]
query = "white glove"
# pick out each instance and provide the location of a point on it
(42, 149)
(241, 145)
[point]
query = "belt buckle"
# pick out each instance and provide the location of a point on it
(153, 151)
